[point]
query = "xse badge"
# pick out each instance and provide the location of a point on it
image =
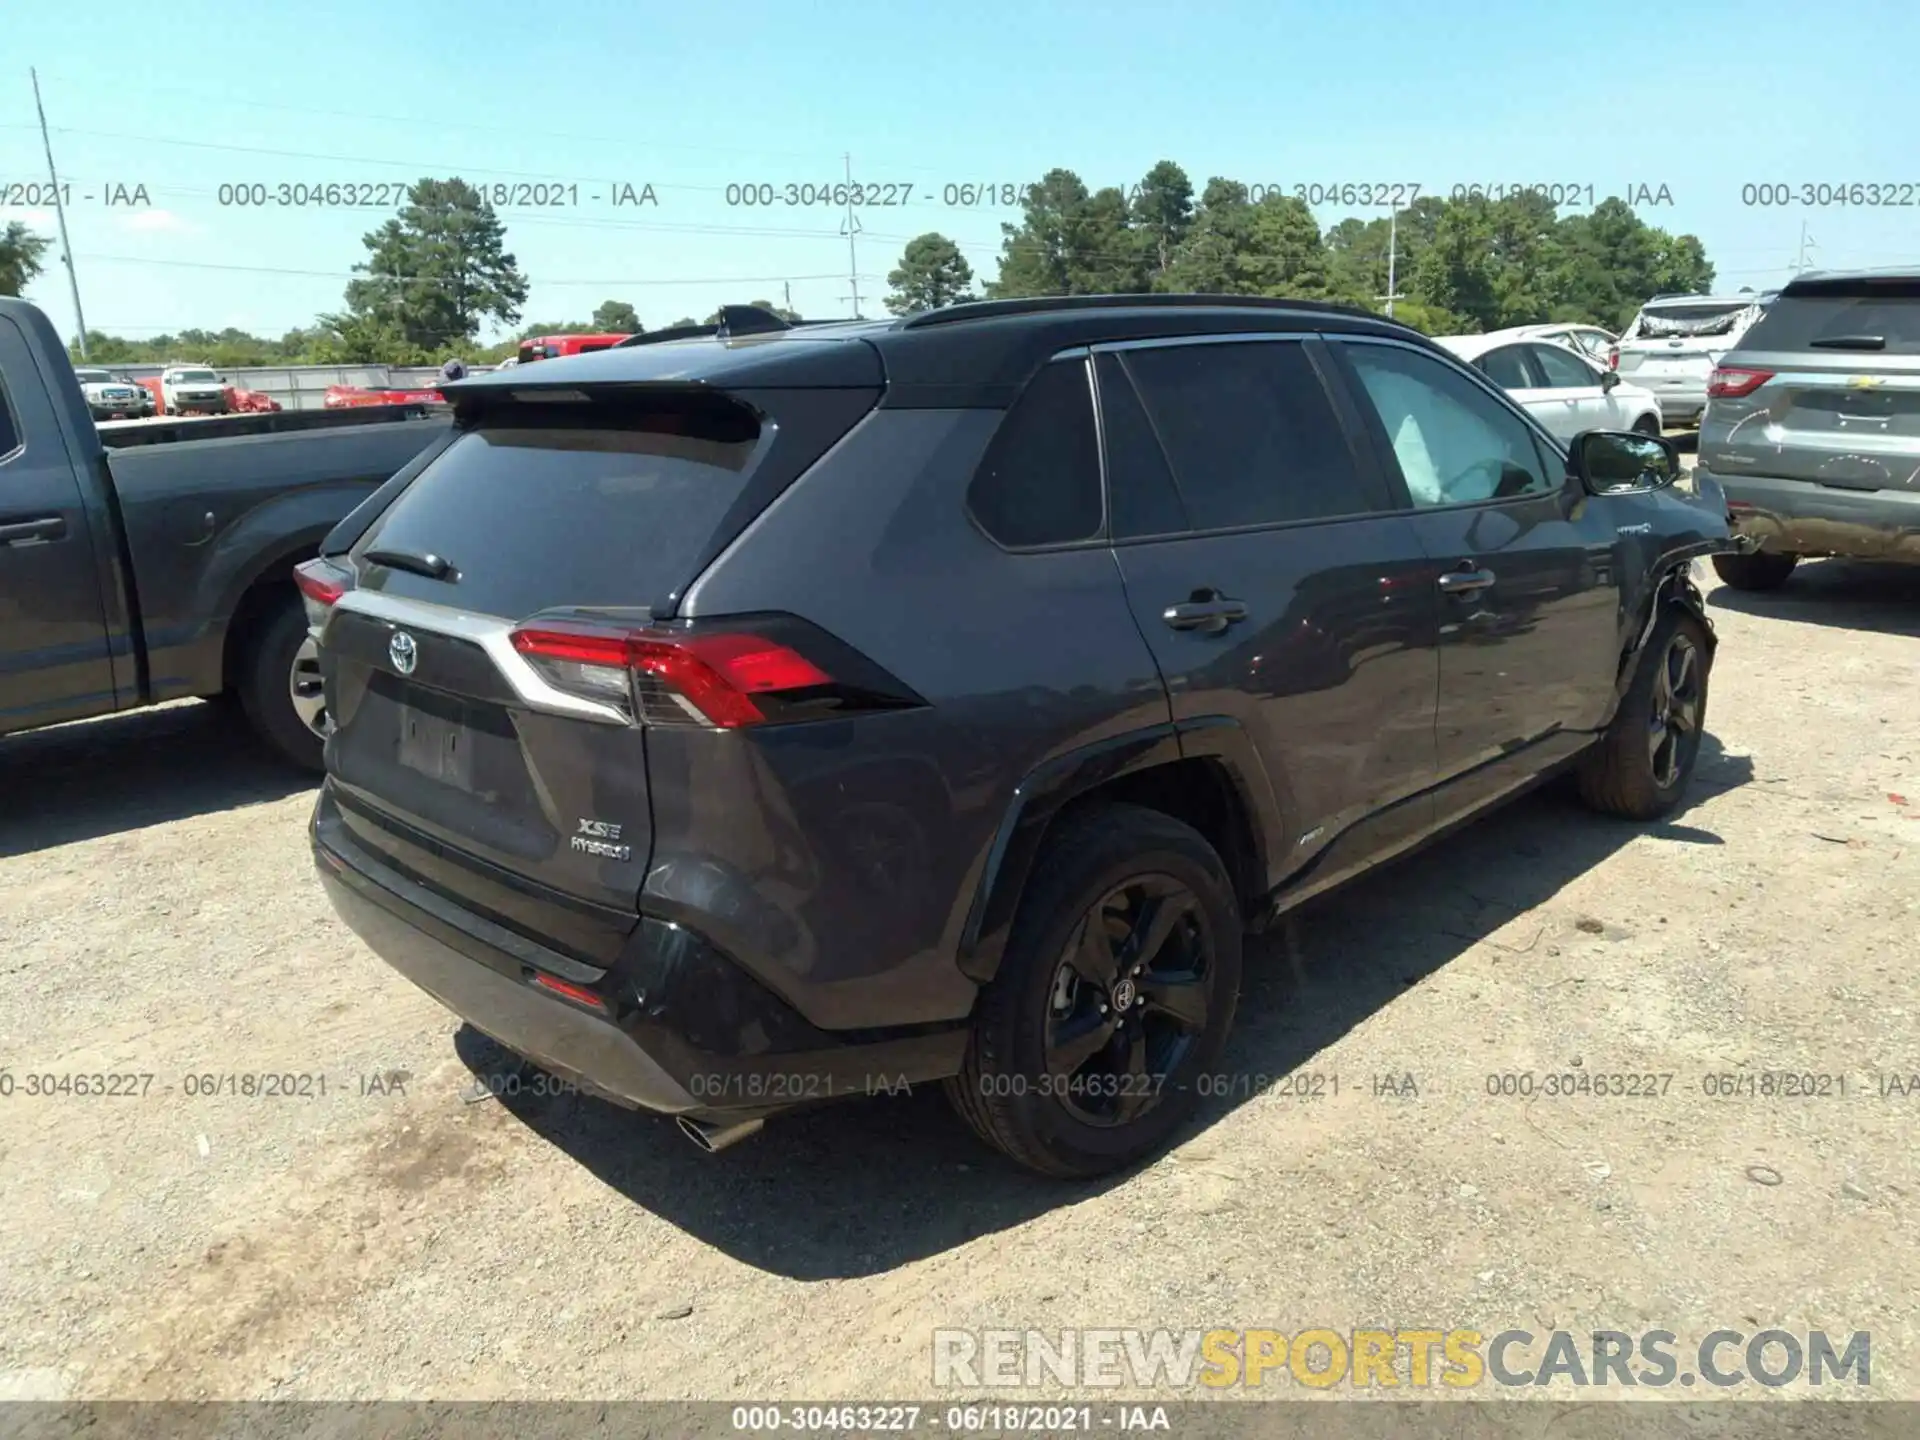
(602, 832)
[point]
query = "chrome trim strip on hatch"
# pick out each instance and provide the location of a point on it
(491, 634)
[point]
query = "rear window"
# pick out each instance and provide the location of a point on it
(1672, 322)
(569, 508)
(1843, 317)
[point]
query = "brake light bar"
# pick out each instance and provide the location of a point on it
(717, 680)
(1731, 382)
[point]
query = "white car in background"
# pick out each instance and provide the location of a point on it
(1676, 341)
(108, 396)
(1590, 340)
(193, 390)
(1561, 388)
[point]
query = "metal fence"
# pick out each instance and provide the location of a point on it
(304, 387)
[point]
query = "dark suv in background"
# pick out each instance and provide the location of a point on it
(1813, 426)
(742, 721)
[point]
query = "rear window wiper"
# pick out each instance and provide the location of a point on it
(434, 567)
(1849, 342)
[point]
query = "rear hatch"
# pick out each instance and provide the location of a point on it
(1681, 342)
(502, 639)
(1825, 388)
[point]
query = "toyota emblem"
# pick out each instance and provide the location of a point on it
(403, 652)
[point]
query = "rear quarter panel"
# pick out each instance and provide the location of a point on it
(846, 852)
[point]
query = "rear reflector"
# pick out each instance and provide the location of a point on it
(574, 993)
(663, 679)
(1731, 382)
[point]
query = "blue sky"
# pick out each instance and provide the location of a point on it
(1699, 96)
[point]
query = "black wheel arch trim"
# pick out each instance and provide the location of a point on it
(1673, 588)
(1045, 790)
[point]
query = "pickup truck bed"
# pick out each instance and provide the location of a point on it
(142, 562)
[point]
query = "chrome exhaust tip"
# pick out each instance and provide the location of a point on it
(715, 1138)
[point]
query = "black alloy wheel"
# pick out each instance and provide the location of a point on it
(1673, 727)
(1129, 999)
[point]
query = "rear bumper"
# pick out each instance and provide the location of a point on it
(1681, 401)
(679, 1030)
(1801, 518)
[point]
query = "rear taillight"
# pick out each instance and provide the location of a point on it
(1613, 357)
(321, 583)
(723, 679)
(1730, 382)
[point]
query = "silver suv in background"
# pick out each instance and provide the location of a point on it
(1813, 429)
(1675, 341)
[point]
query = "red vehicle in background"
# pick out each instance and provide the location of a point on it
(350, 397)
(241, 400)
(552, 347)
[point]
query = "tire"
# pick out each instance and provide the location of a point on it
(1647, 425)
(264, 682)
(1641, 765)
(1107, 867)
(1763, 570)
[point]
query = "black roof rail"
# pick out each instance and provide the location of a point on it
(1042, 304)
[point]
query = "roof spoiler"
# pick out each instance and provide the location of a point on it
(735, 321)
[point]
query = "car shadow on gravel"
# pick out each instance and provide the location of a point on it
(867, 1186)
(126, 772)
(1882, 597)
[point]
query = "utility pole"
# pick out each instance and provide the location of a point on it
(1807, 242)
(60, 214)
(1393, 256)
(850, 227)
(786, 290)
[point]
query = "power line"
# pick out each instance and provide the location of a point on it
(365, 275)
(438, 123)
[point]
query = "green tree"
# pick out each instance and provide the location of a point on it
(20, 252)
(1282, 255)
(616, 317)
(1272, 248)
(684, 321)
(1456, 272)
(1162, 212)
(348, 338)
(932, 272)
(1207, 262)
(1070, 242)
(1529, 259)
(436, 271)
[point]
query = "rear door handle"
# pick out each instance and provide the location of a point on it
(28, 532)
(1465, 582)
(1208, 616)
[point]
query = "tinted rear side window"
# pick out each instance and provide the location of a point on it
(1040, 481)
(572, 509)
(1140, 488)
(1251, 434)
(1857, 311)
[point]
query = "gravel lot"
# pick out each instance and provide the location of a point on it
(158, 917)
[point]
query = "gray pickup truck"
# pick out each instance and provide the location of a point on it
(152, 561)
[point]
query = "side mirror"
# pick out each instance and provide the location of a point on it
(1618, 462)
(1608, 379)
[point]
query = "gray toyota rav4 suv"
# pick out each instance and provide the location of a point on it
(789, 711)
(1813, 426)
